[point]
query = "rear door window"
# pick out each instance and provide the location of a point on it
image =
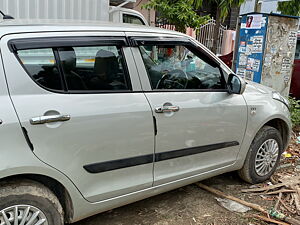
(90, 68)
(42, 67)
(96, 68)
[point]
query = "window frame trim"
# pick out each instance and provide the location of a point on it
(60, 70)
(41, 43)
(138, 41)
(66, 41)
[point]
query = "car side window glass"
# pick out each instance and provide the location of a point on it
(180, 67)
(96, 68)
(40, 64)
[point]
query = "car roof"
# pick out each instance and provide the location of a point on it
(15, 26)
(29, 26)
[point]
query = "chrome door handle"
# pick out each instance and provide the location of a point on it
(170, 108)
(49, 119)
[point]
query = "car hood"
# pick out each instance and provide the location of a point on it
(255, 87)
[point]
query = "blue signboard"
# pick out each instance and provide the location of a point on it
(251, 46)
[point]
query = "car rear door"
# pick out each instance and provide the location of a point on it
(79, 99)
(199, 125)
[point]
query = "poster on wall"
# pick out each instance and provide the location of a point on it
(257, 44)
(256, 65)
(253, 64)
(250, 64)
(254, 21)
(286, 65)
(251, 46)
(241, 72)
(249, 75)
(243, 60)
(292, 38)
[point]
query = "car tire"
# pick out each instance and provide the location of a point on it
(31, 200)
(262, 159)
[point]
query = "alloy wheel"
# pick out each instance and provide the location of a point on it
(266, 157)
(22, 215)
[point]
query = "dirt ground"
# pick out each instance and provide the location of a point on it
(188, 205)
(191, 205)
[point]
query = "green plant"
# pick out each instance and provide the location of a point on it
(291, 7)
(295, 111)
(180, 13)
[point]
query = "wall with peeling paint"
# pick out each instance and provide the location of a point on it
(279, 53)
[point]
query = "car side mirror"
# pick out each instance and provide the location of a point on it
(235, 84)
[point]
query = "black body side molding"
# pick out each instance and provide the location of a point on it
(157, 157)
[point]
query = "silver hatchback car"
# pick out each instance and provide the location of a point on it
(95, 117)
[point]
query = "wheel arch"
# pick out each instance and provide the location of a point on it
(282, 127)
(52, 184)
(277, 121)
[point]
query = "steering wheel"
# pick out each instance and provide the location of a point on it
(175, 79)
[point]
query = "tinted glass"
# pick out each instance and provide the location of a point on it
(177, 67)
(96, 68)
(42, 67)
(132, 19)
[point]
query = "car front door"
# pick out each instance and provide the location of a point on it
(200, 127)
(74, 94)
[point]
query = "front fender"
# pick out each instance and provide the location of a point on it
(260, 112)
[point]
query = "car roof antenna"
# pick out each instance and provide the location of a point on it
(6, 17)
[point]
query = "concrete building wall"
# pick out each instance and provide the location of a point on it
(247, 7)
(267, 6)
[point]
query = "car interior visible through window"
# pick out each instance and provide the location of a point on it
(42, 67)
(96, 68)
(179, 67)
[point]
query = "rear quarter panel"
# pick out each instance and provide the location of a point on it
(16, 157)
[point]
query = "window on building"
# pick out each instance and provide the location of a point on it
(132, 19)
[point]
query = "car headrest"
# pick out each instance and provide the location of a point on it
(105, 63)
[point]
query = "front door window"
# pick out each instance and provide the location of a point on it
(180, 67)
